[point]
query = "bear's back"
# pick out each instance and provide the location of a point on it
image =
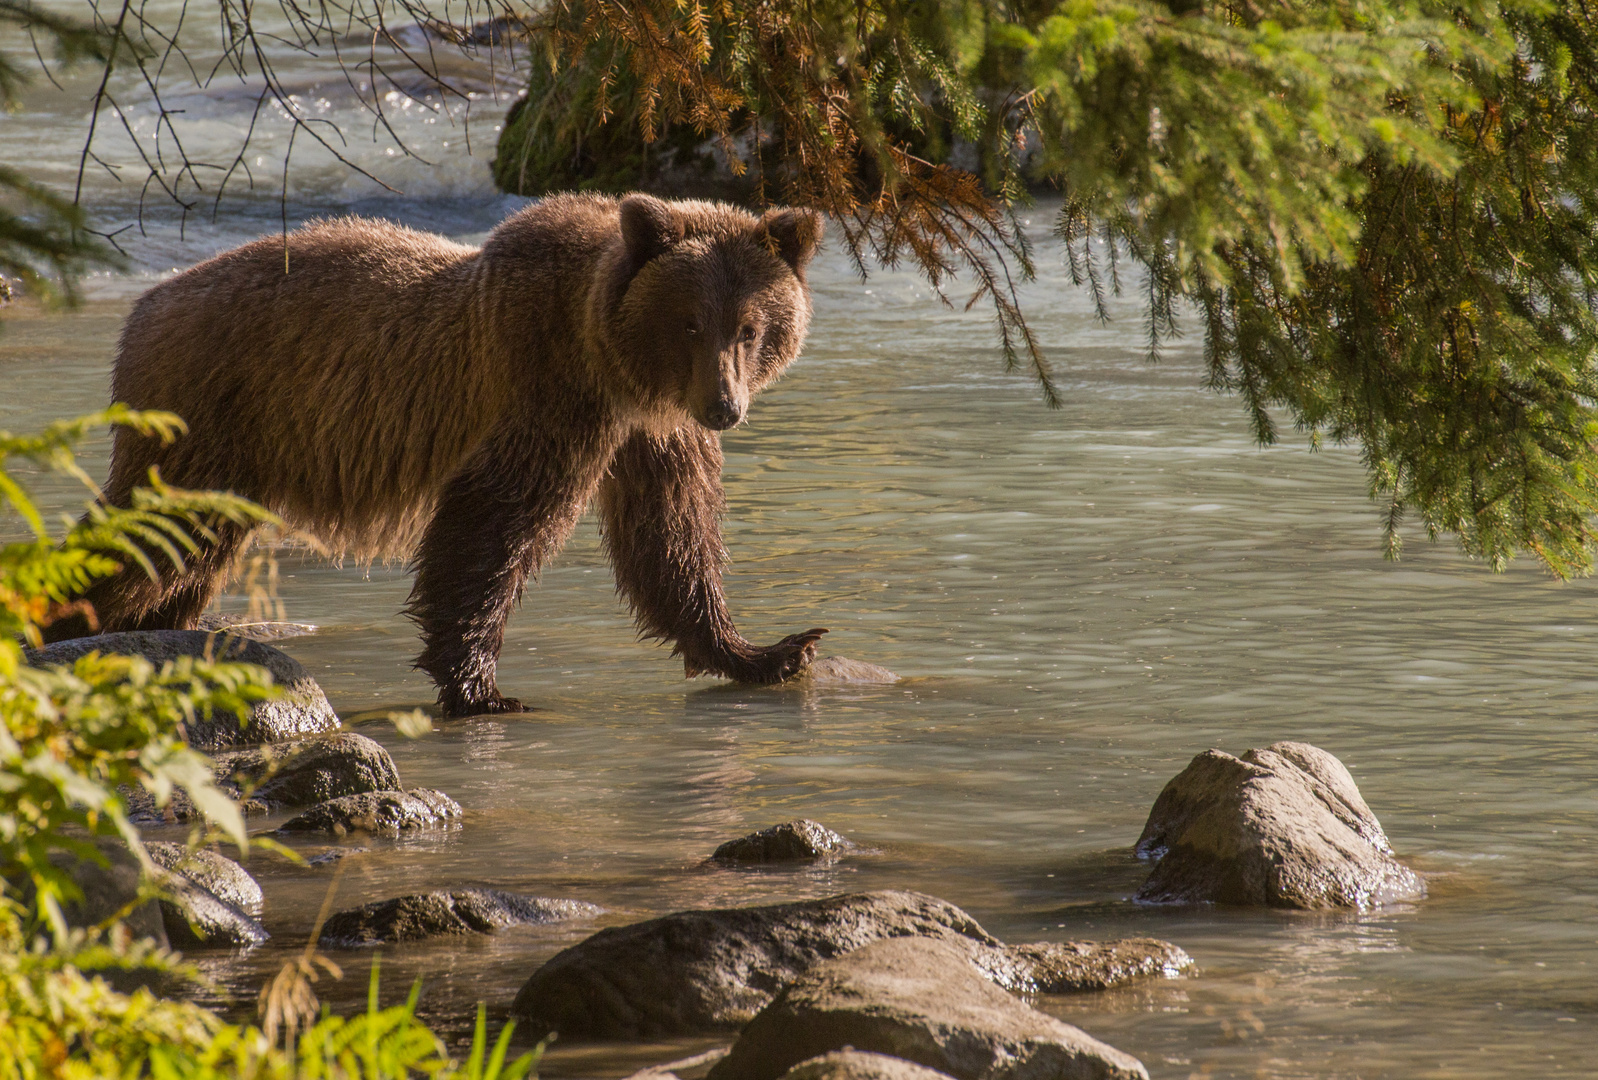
(340, 393)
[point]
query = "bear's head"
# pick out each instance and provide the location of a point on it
(710, 302)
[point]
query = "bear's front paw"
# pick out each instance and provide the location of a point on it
(787, 657)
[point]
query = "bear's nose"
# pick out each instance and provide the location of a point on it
(722, 415)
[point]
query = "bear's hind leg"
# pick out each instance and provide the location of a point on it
(131, 600)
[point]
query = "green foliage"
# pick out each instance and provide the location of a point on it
(72, 736)
(70, 740)
(1380, 212)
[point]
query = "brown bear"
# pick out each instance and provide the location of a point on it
(398, 394)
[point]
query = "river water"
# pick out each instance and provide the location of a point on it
(1080, 600)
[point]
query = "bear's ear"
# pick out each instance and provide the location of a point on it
(793, 234)
(648, 228)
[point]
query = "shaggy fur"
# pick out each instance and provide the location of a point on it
(397, 394)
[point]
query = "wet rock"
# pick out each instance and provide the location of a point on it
(698, 972)
(216, 874)
(841, 671)
(211, 900)
(461, 911)
(254, 629)
(860, 1065)
(194, 917)
(921, 1000)
(279, 775)
(107, 889)
(789, 842)
(142, 810)
(386, 812)
(301, 710)
(307, 772)
(333, 855)
(1070, 967)
(1280, 827)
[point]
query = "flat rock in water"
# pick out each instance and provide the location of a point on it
(921, 1000)
(1073, 967)
(334, 854)
(1279, 827)
(254, 629)
(216, 874)
(700, 972)
(789, 842)
(386, 812)
(841, 671)
(459, 911)
(307, 771)
(301, 710)
(860, 1065)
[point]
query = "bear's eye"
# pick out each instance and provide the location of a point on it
(692, 327)
(748, 333)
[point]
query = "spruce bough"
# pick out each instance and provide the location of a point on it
(1381, 213)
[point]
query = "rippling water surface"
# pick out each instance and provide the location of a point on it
(1080, 601)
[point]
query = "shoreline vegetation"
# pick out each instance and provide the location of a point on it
(86, 974)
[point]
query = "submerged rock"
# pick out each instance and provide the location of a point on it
(697, 972)
(334, 854)
(254, 629)
(841, 671)
(1280, 827)
(301, 710)
(921, 1000)
(1072, 967)
(789, 842)
(388, 812)
(461, 911)
(307, 771)
(216, 874)
(860, 1065)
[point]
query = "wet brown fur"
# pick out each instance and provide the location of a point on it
(398, 394)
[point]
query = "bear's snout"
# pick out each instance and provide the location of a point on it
(723, 413)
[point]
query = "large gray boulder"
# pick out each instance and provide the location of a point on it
(1279, 827)
(921, 1000)
(458, 911)
(698, 972)
(384, 812)
(792, 841)
(301, 710)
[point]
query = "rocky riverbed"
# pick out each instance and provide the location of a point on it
(881, 983)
